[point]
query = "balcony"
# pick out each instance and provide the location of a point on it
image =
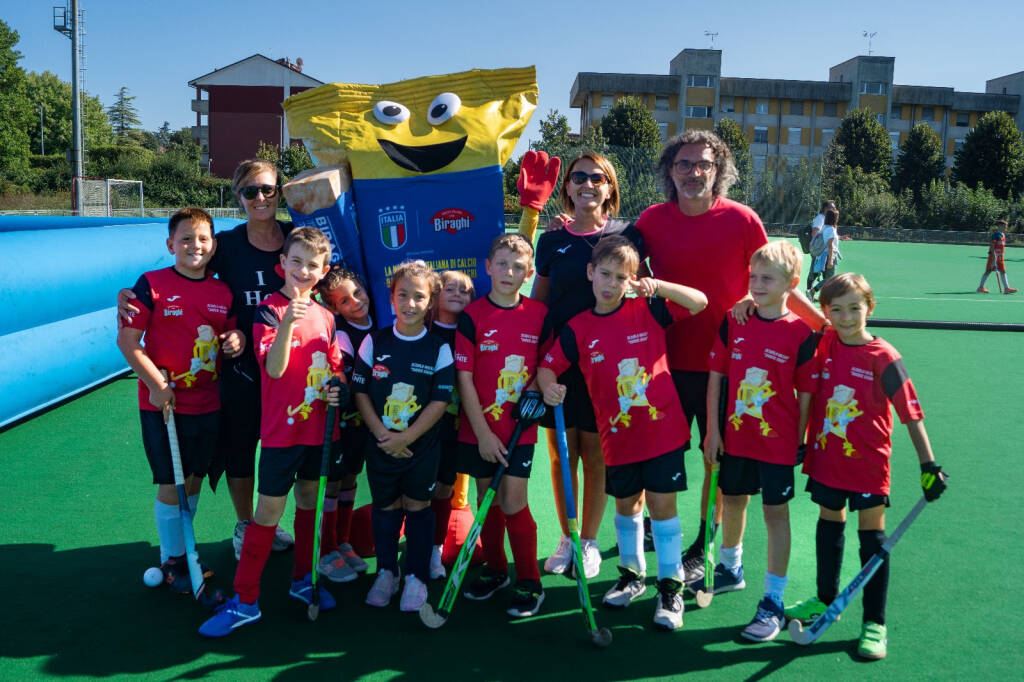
(201, 106)
(201, 134)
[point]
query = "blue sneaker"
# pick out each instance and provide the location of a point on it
(303, 591)
(230, 615)
(725, 581)
(768, 622)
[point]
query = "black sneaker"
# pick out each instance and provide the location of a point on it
(486, 584)
(668, 609)
(693, 563)
(526, 599)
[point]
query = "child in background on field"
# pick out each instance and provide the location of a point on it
(619, 346)
(298, 355)
(995, 263)
(496, 355)
(402, 384)
(824, 263)
(769, 364)
(344, 294)
(456, 293)
(184, 314)
(861, 377)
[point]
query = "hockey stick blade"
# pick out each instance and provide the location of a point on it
(601, 637)
(703, 598)
(431, 618)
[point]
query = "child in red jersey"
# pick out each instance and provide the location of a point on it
(861, 377)
(184, 315)
(456, 293)
(496, 355)
(298, 354)
(769, 363)
(619, 347)
(996, 263)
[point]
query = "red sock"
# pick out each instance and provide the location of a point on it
(442, 510)
(255, 550)
(522, 536)
(305, 520)
(329, 532)
(346, 503)
(493, 538)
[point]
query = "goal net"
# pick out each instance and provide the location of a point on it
(109, 197)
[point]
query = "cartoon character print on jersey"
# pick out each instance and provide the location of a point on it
(840, 410)
(353, 419)
(631, 385)
(511, 381)
(316, 384)
(753, 392)
(204, 356)
(399, 407)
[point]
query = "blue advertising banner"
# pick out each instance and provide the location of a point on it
(338, 222)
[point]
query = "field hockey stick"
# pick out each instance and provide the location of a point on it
(831, 614)
(210, 600)
(313, 610)
(704, 596)
(601, 637)
(530, 409)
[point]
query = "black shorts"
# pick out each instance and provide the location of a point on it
(835, 499)
(520, 462)
(448, 465)
(280, 467)
(391, 477)
(197, 441)
(353, 450)
(662, 474)
(239, 421)
(578, 410)
(745, 476)
(692, 388)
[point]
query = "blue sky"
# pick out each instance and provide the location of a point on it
(155, 48)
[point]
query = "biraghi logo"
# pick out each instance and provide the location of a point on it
(452, 220)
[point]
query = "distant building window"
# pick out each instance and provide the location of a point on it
(761, 107)
(726, 104)
(927, 113)
(831, 109)
(759, 163)
(880, 118)
(826, 136)
(661, 102)
(796, 107)
(896, 112)
(958, 144)
(607, 101)
(894, 139)
(663, 131)
(700, 81)
(760, 134)
(698, 112)
(794, 136)
(963, 118)
(874, 88)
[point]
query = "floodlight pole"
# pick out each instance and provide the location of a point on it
(76, 107)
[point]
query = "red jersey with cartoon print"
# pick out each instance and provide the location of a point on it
(851, 422)
(996, 248)
(501, 347)
(182, 319)
(294, 409)
(623, 360)
(766, 361)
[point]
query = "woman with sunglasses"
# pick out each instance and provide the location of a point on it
(246, 259)
(590, 197)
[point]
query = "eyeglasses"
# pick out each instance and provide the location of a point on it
(684, 165)
(579, 177)
(250, 191)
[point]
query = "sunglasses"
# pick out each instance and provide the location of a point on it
(579, 177)
(250, 191)
(684, 166)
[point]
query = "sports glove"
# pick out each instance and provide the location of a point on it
(933, 481)
(801, 451)
(538, 176)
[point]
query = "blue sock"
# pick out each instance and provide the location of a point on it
(419, 541)
(668, 546)
(168, 529)
(774, 587)
(193, 504)
(629, 532)
(386, 526)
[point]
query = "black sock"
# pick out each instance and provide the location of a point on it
(419, 540)
(877, 589)
(829, 540)
(699, 540)
(387, 523)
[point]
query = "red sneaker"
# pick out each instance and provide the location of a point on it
(982, 290)
(1010, 290)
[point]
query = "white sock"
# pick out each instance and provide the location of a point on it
(983, 278)
(629, 532)
(774, 587)
(168, 529)
(732, 557)
(668, 545)
(1002, 275)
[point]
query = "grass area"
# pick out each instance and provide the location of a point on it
(36, 202)
(78, 533)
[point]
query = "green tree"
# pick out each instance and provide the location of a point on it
(833, 162)
(554, 133)
(123, 115)
(865, 142)
(992, 155)
(920, 161)
(163, 135)
(15, 110)
(291, 160)
(733, 136)
(629, 124)
(48, 90)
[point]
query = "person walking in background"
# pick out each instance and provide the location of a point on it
(996, 247)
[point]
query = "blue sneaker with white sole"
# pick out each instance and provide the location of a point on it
(767, 624)
(229, 616)
(303, 591)
(725, 581)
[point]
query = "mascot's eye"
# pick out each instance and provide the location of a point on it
(443, 108)
(390, 113)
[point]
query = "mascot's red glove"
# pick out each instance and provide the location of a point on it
(538, 176)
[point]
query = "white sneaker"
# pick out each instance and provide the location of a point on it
(239, 537)
(414, 595)
(384, 587)
(668, 607)
(559, 561)
(629, 587)
(283, 540)
(591, 558)
(436, 567)
(333, 567)
(354, 561)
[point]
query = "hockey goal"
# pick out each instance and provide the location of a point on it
(108, 197)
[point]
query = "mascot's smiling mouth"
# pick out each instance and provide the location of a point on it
(425, 159)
